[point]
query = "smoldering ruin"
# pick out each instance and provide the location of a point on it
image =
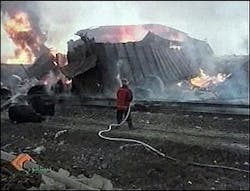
(156, 66)
(189, 103)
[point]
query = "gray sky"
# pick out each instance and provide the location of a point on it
(224, 24)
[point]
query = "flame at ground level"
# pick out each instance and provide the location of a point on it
(204, 81)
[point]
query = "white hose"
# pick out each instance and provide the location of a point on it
(157, 151)
(126, 140)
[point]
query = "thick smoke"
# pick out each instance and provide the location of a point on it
(222, 24)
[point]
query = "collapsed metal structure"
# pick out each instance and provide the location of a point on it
(151, 64)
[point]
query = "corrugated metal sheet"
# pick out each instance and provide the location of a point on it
(136, 61)
(139, 61)
(72, 70)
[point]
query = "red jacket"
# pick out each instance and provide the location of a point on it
(124, 97)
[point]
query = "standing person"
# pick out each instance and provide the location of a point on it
(124, 97)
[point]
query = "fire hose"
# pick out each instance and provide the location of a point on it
(157, 151)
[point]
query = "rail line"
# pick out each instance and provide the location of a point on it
(166, 106)
(152, 106)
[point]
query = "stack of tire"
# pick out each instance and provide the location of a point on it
(33, 107)
(41, 101)
(5, 93)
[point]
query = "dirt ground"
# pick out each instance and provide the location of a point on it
(210, 139)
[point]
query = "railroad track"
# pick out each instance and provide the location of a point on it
(155, 106)
(166, 106)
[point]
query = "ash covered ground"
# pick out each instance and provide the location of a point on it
(210, 139)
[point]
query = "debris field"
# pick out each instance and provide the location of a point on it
(79, 151)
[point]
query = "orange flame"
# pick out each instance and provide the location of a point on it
(21, 56)
(203, 80)
(25, 39)
(133, 33)
(136, 33)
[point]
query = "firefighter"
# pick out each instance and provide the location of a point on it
(124, 97)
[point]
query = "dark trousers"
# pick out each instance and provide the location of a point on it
(121, 114)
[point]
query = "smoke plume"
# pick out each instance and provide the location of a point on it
(221, 24)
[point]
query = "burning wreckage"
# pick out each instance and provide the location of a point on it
(161, 63)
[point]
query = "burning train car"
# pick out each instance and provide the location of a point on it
(103, 56)
(160, 62)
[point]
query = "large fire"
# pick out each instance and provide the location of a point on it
(27, 42)
(204, 81)
(132, 33)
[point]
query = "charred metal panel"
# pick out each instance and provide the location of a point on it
(171, 66)
(111, 56)
(139, 61)
(147, 59)
(157, 63)
(185, 65)
(124, 63)
(176, 64)
(143, 60)
(134, 64)
(72, 70)
(166, 63)
(151, 60)
(163, 65)
(121, 50)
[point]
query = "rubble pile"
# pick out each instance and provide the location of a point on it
(97, 182)
(198, 138)
(139, 61)
(15, 180)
